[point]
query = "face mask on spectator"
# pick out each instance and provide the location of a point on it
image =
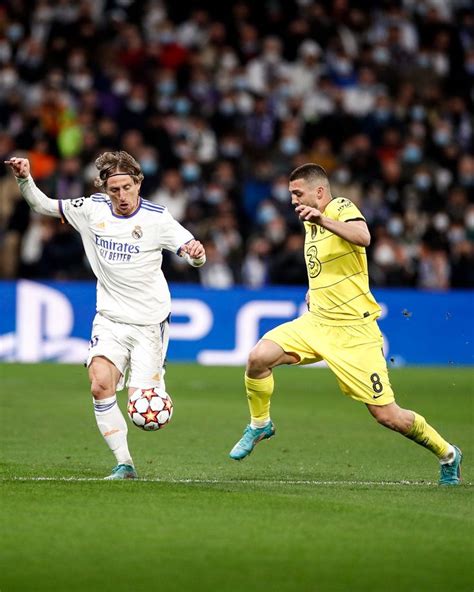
(342, 176)
(381, 55)
(470, 221)
(395, 226)
(271, 57)
(190, 172)
(229, 61)
(444, 178)
(441, 137)
(343, 67)
(136, 105)
(423, 181)
(167, 37)
(384, 255)
(290, 145)
(456, 235)
(227, 108)
(82, 82)
(266, 214)
(240, 83)
(423, 60)
(121, 87)
(244, 104)
(231, 150)
(182, 106)
(214, 196)
(8, 78)
(275, 233)
(441, 222)
(412, 154)
(280, 192)
(382, 114)
(149, 166)
(167, 87)
(418, 112)
(15, 32)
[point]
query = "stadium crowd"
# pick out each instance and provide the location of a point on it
(219, 104)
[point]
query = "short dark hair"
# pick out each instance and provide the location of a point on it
(110, 163)
(310, 172)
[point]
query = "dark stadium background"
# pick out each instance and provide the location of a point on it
(219, 102)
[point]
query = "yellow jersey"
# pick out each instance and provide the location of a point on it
(338, 277)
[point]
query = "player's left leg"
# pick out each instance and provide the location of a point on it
(416, 428)
(355, 355)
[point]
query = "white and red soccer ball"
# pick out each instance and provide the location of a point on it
(150, 409)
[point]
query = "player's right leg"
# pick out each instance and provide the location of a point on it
(104, 377)
(280, 346)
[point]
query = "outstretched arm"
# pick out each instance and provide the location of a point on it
(194, 253)
(37, 200)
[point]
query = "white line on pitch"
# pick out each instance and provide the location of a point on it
(227, 481)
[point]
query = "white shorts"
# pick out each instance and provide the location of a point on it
(138, 349)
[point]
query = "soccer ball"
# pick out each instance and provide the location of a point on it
(150, 409)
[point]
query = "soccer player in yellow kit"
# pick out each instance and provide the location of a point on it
(340, 326)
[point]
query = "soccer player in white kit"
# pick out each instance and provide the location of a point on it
(123, 236)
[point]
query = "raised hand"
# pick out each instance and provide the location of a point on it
(19, 166)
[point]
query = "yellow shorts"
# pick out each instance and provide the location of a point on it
(353, 352)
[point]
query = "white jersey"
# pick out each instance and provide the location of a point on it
(125, 254)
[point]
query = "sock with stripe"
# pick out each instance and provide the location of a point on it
(423, 434)
(259, 391)
(113, 427)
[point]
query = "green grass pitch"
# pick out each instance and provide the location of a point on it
(333, 503)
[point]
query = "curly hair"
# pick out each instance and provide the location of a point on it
(110, 163)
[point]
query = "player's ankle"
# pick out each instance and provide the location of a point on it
(449, 456)
(259, 423)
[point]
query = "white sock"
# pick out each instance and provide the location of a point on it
(113, 427)
(449, 457)
(259, 423)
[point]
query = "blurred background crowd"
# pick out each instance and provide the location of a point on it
(220, 103)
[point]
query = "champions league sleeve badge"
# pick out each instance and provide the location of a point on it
(137, 232)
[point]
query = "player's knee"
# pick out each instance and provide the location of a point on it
(257, 360)
(101, 388)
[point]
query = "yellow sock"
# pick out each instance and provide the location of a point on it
(259, 391)
(422, 433)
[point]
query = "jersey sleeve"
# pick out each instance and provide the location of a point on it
(172, 235)
(75, 211)
(345, 210)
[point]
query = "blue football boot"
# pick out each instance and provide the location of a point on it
(450, 473)
(252, 436)
(122, 472)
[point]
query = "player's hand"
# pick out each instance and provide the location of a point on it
(309, 214)
(194, 249)
(19, 166)
(306, 299)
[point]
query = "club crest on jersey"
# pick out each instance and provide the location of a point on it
(137, 232)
